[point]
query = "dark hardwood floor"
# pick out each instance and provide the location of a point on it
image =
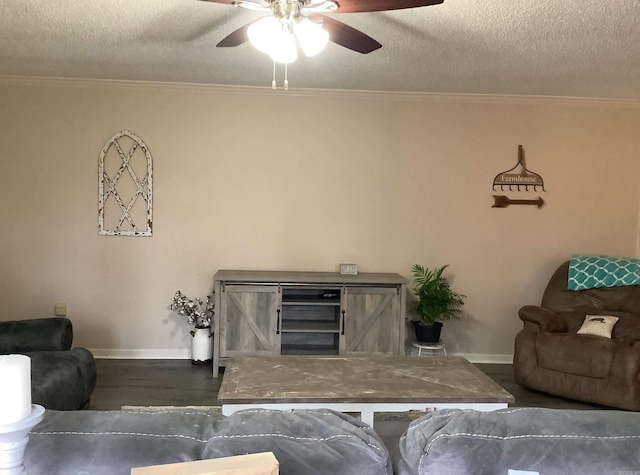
(503, 375)
(179, 383)
(153, 383)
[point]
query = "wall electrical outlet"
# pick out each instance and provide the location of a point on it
(61, 309)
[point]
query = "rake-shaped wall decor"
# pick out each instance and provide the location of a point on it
(518, 176)
(125, 180)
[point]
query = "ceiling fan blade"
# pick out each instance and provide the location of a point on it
(236, 38)
(344, 35)
(359, 6)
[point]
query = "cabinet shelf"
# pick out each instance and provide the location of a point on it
(309, 303)
(306, 326)
(306, 350)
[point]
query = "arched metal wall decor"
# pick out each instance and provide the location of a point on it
(125, 205)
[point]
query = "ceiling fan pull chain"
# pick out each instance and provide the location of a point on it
(286, 80)
(273, 83)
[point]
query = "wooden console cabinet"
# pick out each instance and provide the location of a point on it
(314, 313)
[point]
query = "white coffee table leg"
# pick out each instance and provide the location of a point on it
(366, 416)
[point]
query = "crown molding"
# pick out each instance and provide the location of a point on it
(397, 96)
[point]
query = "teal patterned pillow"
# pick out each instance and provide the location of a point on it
(590, 272)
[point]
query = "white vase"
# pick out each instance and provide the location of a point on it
(201, 346)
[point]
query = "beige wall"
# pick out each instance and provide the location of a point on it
(296, 181)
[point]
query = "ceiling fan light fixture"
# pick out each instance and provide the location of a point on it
(273, 37)
(311, 36)
(283, 47)
(263, 32)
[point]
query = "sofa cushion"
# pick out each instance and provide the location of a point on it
(583, 355)
(62, 380)
(112, 442)
(547, 441)
(38, 334)
(304, 442)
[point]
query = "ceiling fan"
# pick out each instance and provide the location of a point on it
(304, 21)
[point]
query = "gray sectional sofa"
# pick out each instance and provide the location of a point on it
(324, 442)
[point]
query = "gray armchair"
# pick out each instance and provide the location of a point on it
(62, 378)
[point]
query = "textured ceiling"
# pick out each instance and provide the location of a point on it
(579, 48)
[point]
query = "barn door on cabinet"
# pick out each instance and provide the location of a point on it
(249, 320)
(371, 320)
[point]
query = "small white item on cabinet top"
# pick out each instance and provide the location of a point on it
(350, 269)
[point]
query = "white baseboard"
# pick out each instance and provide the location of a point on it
(185, 354)
(474, 357)
(482, 358)
(146, 354)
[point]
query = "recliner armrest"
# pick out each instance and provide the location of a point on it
(540, 319)
(40, 334)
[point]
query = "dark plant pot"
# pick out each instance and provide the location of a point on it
(428, 333)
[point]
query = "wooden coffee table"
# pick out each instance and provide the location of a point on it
(358, 384)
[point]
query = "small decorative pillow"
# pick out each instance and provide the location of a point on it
(598, 325)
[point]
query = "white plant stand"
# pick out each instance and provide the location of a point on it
(431, 349)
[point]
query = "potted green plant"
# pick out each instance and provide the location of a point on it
(436, 302)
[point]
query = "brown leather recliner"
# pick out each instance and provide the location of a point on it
(551, 357)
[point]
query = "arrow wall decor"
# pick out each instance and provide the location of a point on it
(502, 201)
